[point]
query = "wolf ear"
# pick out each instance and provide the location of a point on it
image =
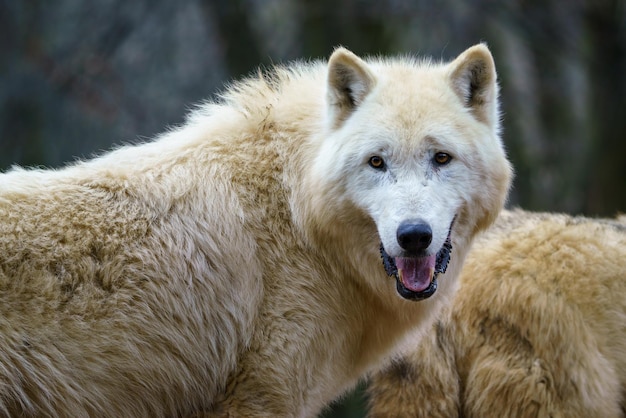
(349, 82)
(473, 78)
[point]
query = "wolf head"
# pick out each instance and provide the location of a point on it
(414, 147)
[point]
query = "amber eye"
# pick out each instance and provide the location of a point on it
(441, 158)
(377, 162)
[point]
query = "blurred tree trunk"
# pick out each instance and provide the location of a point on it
(354, 24)
(239, 44)
(606, 28)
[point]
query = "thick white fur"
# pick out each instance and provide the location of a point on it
(231, 266)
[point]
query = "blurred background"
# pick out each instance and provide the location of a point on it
(77, 77)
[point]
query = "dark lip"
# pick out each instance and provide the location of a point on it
(441, 265)
(416, 296)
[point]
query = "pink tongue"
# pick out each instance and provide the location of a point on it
(416, 273)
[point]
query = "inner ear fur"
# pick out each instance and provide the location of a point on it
(473, 77)
(349, 82)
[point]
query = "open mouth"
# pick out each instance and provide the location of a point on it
(416, 277)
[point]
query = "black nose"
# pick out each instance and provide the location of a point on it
(414, 236)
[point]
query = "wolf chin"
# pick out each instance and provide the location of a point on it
(232, 266)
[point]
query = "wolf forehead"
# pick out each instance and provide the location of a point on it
(423, 95)
(414, 109)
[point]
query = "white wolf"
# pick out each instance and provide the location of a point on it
(232, 267)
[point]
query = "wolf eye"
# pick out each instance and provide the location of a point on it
(377, 162)
(441, 158)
